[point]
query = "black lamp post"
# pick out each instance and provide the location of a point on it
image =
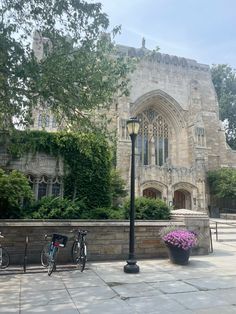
(131, 266)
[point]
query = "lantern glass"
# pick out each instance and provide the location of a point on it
(133, 126)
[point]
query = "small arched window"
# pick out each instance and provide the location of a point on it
(40, 120)
(47, 121)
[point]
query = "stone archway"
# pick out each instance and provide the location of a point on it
(184, 195)
(153, 189)
(182, 199)
(152, 193)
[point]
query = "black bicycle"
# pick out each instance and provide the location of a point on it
(50, 251)
(79, 249)
(25, 253)
(4, 256)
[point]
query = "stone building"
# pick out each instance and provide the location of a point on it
(180, 138)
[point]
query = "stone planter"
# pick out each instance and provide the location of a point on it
(178, 255)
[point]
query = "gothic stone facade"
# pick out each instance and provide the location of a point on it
(180, 137)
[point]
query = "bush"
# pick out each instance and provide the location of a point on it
(118, 190)
(14, 192)
(149, 209)
(61, 208)
(55, 208)
(104, 213)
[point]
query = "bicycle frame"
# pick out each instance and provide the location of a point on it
(0, 254)
(50, 250)
(25, 253)
(3, 254)
(79, 249)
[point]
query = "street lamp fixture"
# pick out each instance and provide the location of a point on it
(131, 266)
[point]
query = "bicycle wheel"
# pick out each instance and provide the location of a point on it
(82, 258)
(75, 252)
(4, 258)
(52, 261)
(44, 256)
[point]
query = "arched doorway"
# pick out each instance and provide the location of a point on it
(151, 193)
(182, 199)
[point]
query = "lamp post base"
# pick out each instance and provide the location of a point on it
(131, 267)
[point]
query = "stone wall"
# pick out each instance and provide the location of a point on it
(106, 240)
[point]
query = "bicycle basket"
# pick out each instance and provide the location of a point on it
(61, 239)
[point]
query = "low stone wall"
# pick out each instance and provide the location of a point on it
(106, 240)
(228, 216)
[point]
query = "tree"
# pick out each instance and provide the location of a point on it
(222, 183)
(118, 190)
(79, 70)
(224, 80)
(14, 190)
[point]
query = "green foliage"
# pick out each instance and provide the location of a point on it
(222, 183)
(61, 208)
(149, 209)
(224, 80)
(54, 208)
(79, 69)
(14, 190)
(86, 157)
(104, 213)
(117, 187)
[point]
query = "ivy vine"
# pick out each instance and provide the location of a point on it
(86, 157)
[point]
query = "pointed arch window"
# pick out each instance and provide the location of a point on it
(153, 138)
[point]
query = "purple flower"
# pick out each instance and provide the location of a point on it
(181, 238)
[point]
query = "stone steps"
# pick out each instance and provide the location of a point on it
(226, 230)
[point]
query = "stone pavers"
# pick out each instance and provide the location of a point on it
(207, 285)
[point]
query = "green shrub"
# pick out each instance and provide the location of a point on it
(104, 213)
(148, 209)
(55, 208)
(118, 190)
(14, 192)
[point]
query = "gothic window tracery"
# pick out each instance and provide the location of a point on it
(56, 187)
(40, 120)
(153, 138)
(200, 136)
(44, 186)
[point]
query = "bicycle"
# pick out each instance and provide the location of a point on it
(79, 249)
(50, 251)
(25, 253)
(4, 256)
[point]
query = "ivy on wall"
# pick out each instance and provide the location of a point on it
(87, 161)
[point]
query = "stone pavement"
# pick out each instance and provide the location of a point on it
(206, 285)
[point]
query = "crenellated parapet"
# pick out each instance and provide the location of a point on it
(157, 57)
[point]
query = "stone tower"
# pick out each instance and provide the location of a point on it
(180, 137)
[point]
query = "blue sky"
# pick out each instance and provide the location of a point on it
(204, 30)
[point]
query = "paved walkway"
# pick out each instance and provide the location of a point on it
(206, 285)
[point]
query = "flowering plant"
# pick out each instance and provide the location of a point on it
(181, 238)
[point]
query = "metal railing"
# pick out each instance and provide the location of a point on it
(217, 223)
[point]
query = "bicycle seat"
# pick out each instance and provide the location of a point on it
(83, 232)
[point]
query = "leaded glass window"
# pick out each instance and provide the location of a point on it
(153, 138)
(42, 187)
